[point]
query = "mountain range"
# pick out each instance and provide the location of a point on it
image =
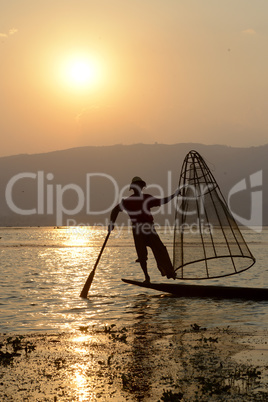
(79, 186)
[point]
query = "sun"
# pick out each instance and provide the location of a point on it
(80, 71)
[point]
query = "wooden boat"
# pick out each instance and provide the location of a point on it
(205, 291)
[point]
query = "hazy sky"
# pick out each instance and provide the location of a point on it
(103, 72)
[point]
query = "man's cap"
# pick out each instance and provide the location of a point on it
(137, 180)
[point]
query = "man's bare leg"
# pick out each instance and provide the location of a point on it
(145, 271)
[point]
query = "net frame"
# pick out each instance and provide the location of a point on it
(196, 175)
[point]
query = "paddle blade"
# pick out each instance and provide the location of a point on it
(87, 285)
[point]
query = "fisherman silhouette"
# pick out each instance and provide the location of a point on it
(138, 207)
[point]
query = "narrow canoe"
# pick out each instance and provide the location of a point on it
(218, 292)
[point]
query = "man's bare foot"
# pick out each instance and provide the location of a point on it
(147, 280)
(173, 275)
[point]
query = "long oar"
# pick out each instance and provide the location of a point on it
(92, 273)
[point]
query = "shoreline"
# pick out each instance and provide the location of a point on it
(138, 363)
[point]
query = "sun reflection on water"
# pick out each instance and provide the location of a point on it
(81, 338)
(80, 383)
(83, 235)
(86, 374)
(76, 236)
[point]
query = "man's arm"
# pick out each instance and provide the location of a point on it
(170, 197)
(113, 216)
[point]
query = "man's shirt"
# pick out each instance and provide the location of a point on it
(138, 207)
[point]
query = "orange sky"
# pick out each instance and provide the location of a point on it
(81, 72)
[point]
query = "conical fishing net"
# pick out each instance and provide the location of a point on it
(207, 240)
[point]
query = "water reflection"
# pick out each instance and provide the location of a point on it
(138, 379)
(160, 347)
(81, 385)
(80, 375)
(135, 363)
(41, 283)
(42, 277)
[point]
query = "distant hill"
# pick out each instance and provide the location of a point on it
(81, 185)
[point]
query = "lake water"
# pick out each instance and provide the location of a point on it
(44, 269)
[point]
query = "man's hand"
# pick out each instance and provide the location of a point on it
(177, 192)
(111, 227)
